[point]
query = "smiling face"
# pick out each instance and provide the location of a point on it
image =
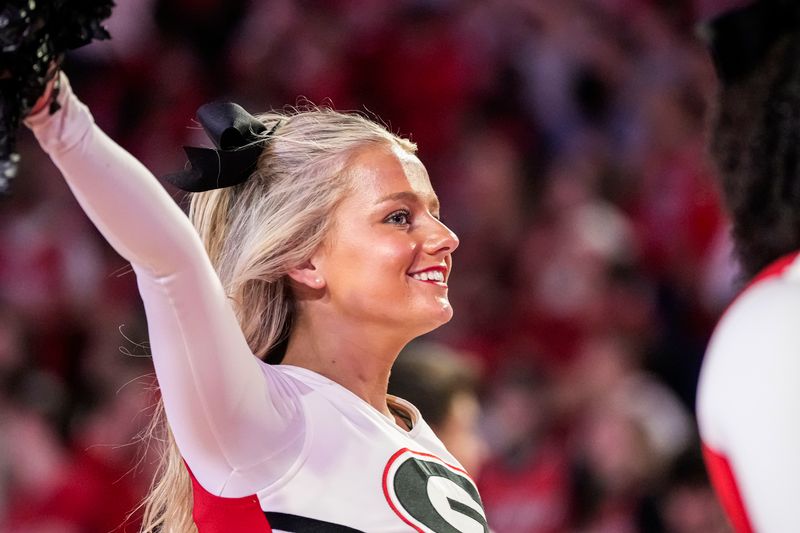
(388, 257)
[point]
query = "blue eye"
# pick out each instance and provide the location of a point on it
(401, 217)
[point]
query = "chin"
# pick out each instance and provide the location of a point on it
(439, 316)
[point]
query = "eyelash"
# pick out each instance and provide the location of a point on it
(407, 214)
(400, 212)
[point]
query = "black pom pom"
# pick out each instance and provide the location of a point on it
(34, 35)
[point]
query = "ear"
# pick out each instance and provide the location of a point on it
(308, 275)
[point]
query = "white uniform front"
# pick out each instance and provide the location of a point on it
(308, 452)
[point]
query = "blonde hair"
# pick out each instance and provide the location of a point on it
(254, 234)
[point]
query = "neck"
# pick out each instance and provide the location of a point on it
(355, 356)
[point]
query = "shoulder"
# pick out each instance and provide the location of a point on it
(753, 358)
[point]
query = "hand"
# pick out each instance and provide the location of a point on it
(44, 100)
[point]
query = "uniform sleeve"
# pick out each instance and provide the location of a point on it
(228, 420)
(749, 401)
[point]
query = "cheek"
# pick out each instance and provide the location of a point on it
(391, 259)
(373, 267)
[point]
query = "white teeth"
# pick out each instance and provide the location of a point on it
(433, 275)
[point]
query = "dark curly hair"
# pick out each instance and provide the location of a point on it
(756, 145)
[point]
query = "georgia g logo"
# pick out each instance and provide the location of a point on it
(432, 496)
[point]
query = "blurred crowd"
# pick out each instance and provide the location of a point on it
(566, 140)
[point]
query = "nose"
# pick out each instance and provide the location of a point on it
(440, 239)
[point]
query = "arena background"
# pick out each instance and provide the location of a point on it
(566, 140)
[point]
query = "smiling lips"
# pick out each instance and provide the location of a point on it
(432, 275)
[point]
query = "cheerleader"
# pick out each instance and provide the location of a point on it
(749, 392)
(314, 241)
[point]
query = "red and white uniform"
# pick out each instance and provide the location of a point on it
(276, 442)
(748, 403)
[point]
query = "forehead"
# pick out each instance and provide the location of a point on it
(380, 171)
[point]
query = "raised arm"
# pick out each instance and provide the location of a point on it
(749, 408)
(224, 414)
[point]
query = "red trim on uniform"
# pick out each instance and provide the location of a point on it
(775, 268)
(719, 469)
(385, 484)
(217, 514)
(386, 488)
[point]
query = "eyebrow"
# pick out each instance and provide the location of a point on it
(433, 201)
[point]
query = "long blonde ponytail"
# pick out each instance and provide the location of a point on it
(254, 234)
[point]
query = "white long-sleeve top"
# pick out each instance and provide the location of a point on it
(259, 439)
(748, 404)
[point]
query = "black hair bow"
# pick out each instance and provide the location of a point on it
(740, 39)
(239, 138)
